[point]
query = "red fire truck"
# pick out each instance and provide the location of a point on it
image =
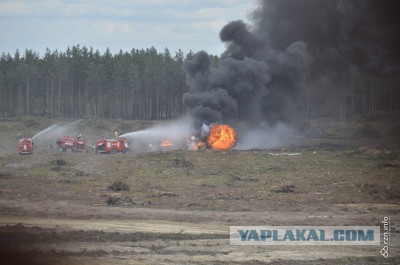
(69, 144)
(25, 146)
(107, 146)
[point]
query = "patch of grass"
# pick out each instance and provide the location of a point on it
(59, 162)
(389, 160)
(179, 163)
(39, 171)
(394, 131)
(388, 156)
(118, 185)
(367, 131)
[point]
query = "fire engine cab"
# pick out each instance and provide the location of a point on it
(25, 146)
(112, 146)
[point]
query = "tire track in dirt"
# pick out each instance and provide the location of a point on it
(120, 226)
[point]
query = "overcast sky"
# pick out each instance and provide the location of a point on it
(117, 24)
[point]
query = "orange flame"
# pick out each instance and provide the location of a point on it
(222, 137)
(166, 142)
(199, 146)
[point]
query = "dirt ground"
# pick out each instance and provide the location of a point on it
(175, 207)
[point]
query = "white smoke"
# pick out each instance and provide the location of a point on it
(266, 137)
(178, 132)
(28, 162)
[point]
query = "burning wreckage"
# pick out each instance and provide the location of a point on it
(219, 137)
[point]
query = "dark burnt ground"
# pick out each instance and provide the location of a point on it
(21, 235)
(22, 245)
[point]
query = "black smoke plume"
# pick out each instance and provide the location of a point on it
(295, 59)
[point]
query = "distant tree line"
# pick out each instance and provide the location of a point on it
(147, 84)
(81, 82)
(360, 93)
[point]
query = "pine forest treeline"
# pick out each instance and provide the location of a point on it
(147, 84)
(81, 83)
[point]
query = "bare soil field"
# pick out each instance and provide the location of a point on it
(175, 207)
